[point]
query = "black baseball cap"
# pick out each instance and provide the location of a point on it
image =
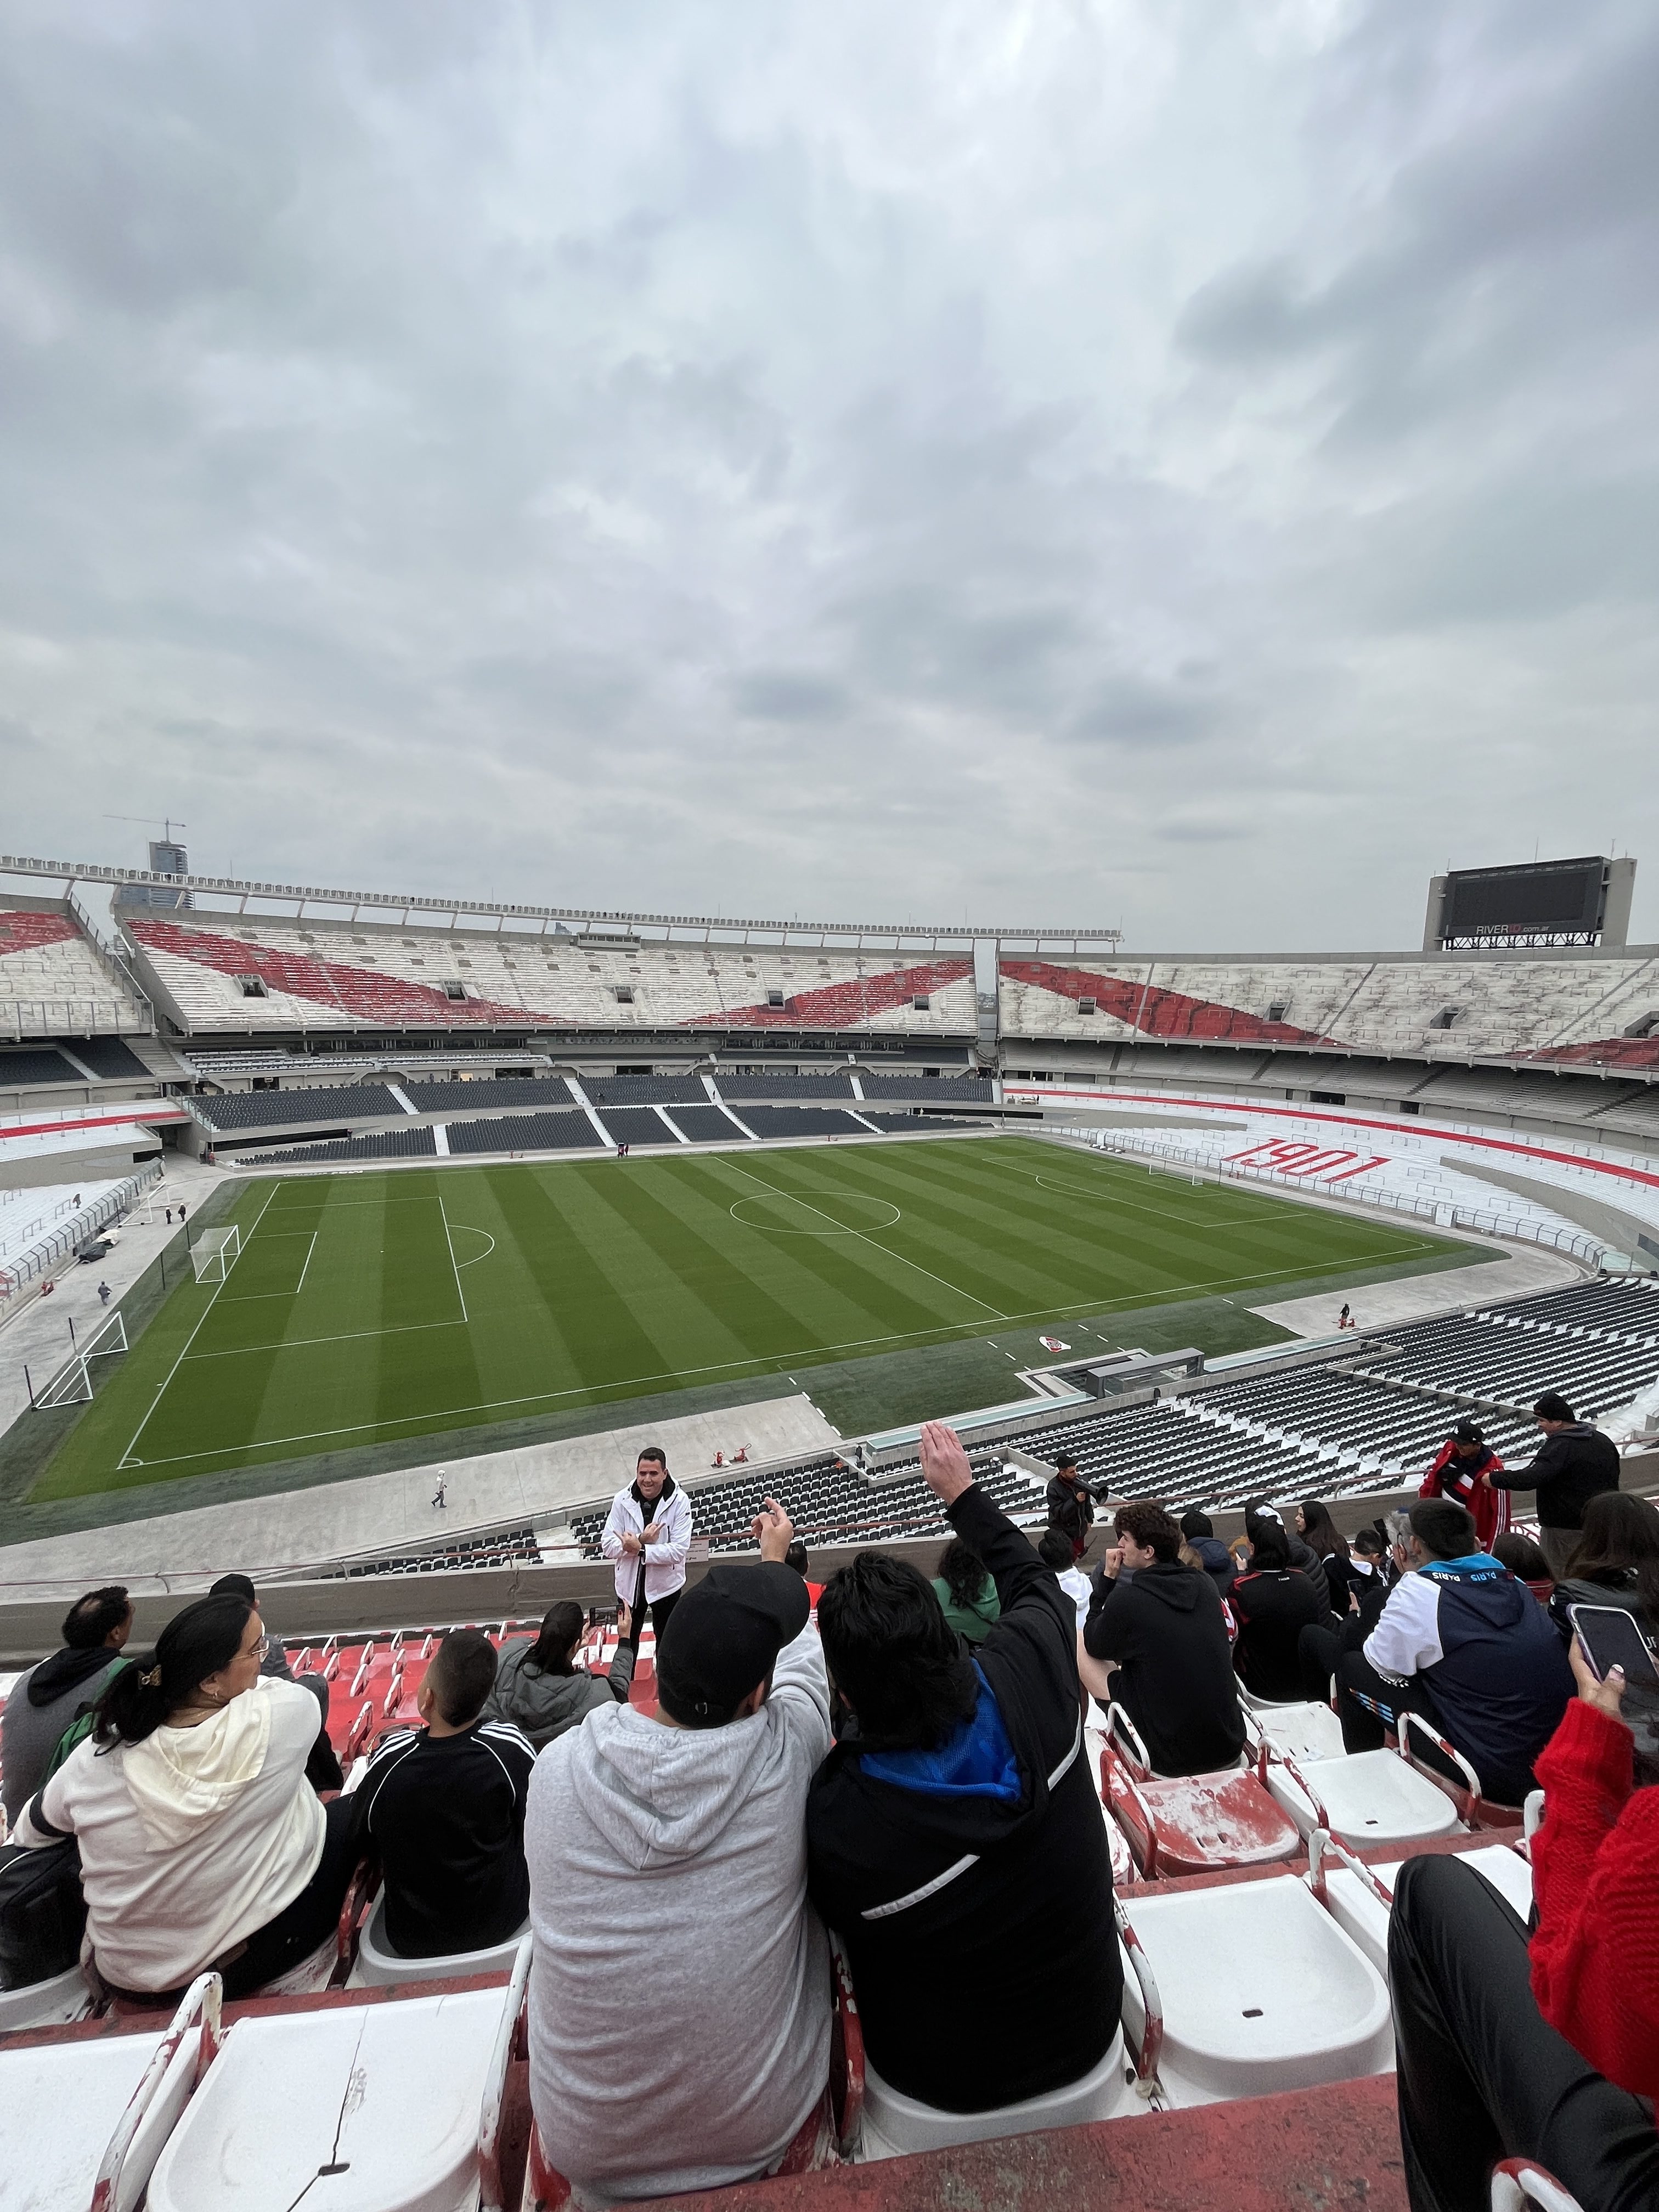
(724, 1636)
(1468, 1432)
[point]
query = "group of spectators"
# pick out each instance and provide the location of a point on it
(900, 1768)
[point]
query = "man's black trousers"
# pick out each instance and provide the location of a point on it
(1482, 2075)
(660, 1608)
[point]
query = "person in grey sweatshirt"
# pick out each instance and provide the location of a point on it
(679, 2001)
(52, 1696)
(540, 1689)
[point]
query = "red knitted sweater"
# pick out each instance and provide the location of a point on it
(1596, 1875)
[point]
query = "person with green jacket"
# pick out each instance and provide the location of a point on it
(966, 1592)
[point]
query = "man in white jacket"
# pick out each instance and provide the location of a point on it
(648, 1536)
(679, 2003)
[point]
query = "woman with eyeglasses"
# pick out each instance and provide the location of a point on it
(202, 1843)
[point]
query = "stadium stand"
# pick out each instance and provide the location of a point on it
(110, 1059)
(275, 1109)
(416, 1143)
(771, 1122)
(706, 1124)
(570, 1132)
(943, 1091)
(646, 1090)
(31, 1070)
(783, 1088)
(511, 1092)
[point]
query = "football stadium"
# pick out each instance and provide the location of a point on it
(829, 1304)
(362, 1258)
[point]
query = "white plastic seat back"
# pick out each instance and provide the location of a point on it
(377, 2105)
(60, 2104)
(1261, 1991)
(1363, 1916)
(378, 1965)
(1509, 1874)
(1373, 1797)
(46, 2004)
(1307, 1732)
(1249, 1700)
(895, 2125)
(1520, 2186)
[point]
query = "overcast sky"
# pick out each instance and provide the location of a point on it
(1182, 463)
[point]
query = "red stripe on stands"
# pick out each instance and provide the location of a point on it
(97, 1121)
(1343, 1121)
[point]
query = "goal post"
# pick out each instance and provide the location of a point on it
(215, 1253)
(72, 1383)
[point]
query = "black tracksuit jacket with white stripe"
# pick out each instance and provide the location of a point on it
(446, 1814)
(980, 1934)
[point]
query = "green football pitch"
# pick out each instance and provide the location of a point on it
(372, 1309)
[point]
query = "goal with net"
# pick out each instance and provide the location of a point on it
(215, 1253)
(73, 1381)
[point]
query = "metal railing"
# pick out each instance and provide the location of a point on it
(73, 1017)
(61, 1243)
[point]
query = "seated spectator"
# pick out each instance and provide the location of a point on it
(540, 1690)
(1217, 1561)
(1054, 1550)
(1462, 1643)
(1574, 1463)
(202, 1843)
(443, 1807)
(1273, 1602)
(1070, 1504)
(1319, 1646)
(966, 1592)
(1615, 1561)
(679, 2009)
(797, 1559)
(1459, 1472)
(1329, 1545)
(323, 1767)
(1525, 1561)
(51, 1696)
(1554, 2058)
(1161, 1627)
(957, 1819)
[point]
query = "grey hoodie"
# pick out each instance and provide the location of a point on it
(679, 2003)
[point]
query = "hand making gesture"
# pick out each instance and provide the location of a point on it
(773, 1530)
(944, 1466)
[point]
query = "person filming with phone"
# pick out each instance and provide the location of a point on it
(1547, 2050)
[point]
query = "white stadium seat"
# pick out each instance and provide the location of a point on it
(1261, 1991)
(1370, 1797)
(379, 1967)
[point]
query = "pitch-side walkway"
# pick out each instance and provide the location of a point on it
(39, 1337)
(261, 1536)
(1418, 1298)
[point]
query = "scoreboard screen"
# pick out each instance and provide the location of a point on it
(1560, 901)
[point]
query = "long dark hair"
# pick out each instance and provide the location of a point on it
(892, 1654)
(962, 1571)
(1319, 1532)
(561, 1629)
(1619, 1539)
(195, 1643)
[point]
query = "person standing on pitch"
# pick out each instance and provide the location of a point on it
(648, 1537)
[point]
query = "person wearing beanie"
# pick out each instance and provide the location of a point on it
(679, 2007)
(1218, 1562)
(1461, 1472)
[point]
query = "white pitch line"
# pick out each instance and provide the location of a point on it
(1172, 1296)
(126, 1458)
(865, 1239)
(450, 1241)
(310, 1248)
(341, 1336)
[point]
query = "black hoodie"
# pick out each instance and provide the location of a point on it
(938, 1899)
(1163, 1626)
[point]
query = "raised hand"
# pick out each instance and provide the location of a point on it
(773, 1530)
(944, 1466)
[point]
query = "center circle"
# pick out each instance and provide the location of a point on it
(815, 1212)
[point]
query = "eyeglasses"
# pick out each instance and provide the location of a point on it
(258, 1650)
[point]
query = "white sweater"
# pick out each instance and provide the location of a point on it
(664, 1560)
(157, 1913)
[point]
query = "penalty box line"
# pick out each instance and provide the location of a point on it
(430, 1422)
(126, 1459)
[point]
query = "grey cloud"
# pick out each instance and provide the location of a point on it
(783, 694)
